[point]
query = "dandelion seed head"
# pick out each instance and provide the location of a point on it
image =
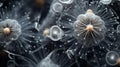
(10, 30)
(89, 26)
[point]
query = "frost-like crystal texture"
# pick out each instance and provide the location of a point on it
(90, 28)
(17, 32)
(10, 30)
(77, 29)
(88, 25)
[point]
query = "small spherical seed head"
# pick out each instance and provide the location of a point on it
(89, 28)
(6, 30)
(46, 32)
(10, 29)
(40, 2)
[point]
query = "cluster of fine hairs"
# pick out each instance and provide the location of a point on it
(60, 33)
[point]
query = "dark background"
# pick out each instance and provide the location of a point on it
(4, 56)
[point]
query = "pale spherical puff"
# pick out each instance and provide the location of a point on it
(89, 28)
(75, 22)
(13, 34)
(19, 33)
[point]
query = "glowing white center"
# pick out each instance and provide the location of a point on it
(112, 57)
(55, 32)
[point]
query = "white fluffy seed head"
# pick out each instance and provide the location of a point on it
(89, 27)
(10, 29)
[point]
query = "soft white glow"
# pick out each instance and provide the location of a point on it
(106, 1)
